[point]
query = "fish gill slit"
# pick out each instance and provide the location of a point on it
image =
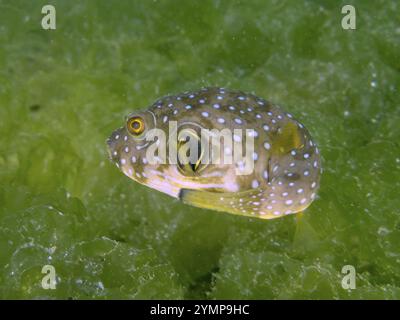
(269, 170)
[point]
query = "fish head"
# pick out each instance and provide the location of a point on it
(168, 155)
(127, 145)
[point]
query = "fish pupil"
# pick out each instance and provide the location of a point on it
(136, 125)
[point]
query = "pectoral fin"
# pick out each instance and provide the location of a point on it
(289, 138)
(232, 202)
(209, 200)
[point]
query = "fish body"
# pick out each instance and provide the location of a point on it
(285, 160)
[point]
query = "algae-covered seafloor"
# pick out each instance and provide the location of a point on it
(63, 204)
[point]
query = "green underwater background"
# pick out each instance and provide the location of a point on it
(62, 202)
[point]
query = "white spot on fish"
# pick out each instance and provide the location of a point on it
(254, 184)
(253, 133)
(313, 185)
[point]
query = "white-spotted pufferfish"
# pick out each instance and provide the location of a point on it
(286, 171)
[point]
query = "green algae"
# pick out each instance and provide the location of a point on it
(62, 202)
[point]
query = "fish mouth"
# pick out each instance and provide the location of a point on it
(109, 142)
(112, 143)
(110, 151)
(109, 148)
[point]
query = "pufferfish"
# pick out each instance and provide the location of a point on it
(286, 163)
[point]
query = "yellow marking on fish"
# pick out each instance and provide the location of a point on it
(287, 139)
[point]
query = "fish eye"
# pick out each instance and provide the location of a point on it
(135, 125)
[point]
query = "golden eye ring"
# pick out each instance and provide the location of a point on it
(135, 125)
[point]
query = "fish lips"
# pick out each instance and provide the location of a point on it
(114, 143)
